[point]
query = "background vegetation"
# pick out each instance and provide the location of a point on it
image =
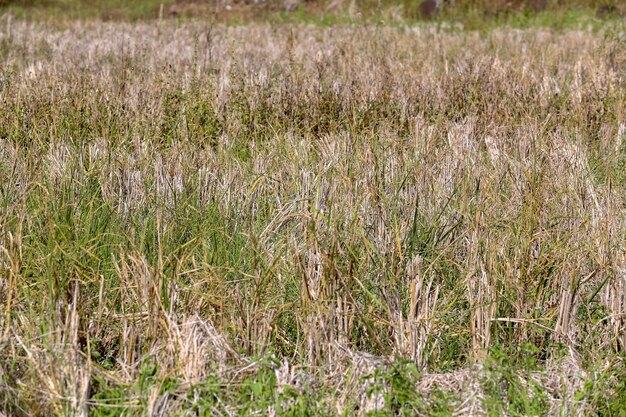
(471, 14)
(294, 219)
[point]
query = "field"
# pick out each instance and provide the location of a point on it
(292, 219)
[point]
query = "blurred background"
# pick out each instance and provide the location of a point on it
(470, 13)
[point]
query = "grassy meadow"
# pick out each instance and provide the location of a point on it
(295, 219)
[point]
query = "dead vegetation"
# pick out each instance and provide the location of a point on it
(178, 204)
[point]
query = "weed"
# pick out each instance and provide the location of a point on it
(179, 203)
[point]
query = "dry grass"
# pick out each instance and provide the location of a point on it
(178, 202)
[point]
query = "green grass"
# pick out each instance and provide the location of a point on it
(344, 221)
(77, 9)
(482, 16)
